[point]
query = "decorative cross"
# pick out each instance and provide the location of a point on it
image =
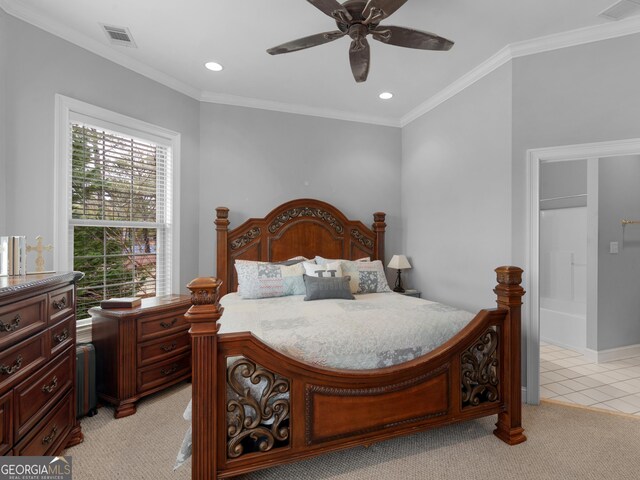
(39, 248)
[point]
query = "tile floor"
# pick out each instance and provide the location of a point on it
(568, 376)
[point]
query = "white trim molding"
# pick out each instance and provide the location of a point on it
(65, 108)
(613, 354)
(548, 43)
(532, 262)
(238, 101)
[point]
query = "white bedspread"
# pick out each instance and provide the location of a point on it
(376, 330)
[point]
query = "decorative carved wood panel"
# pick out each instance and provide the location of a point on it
(480, 375)
(258, 419)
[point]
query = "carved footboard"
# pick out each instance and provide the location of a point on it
(254, 407)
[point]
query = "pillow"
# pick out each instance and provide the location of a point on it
(328, 270)
(320, 288)
(293, 261)
(264, 280)
(323, 261)
(366, 277)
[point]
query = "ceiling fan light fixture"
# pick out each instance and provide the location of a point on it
(386, 96)
(214, 66)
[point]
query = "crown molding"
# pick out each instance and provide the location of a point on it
(29, 15)
(547, 43)
(462, 83)
(225, 99)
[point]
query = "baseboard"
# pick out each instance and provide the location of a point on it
(613, 354)
(583, 351)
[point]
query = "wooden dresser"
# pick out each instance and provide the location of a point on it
(38, 364)
(140, 351)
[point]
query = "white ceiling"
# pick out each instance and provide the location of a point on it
(177, 38)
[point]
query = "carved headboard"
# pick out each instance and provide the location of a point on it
(300, 227)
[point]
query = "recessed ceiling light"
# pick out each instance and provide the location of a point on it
(386, 95)
(213, 66)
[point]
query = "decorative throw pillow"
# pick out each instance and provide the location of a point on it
(264, 280)
(294, 260)
(323, 261)
(366, 277)
(323, 271)
(321, 288)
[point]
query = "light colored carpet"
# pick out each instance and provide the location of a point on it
(564, 443)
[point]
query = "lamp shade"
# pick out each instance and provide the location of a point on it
(399, 262)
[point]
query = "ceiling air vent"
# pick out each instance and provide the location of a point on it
(119, 35)
(621, 9)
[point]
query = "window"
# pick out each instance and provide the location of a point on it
(117, 198)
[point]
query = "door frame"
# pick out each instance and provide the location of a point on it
(532, 264)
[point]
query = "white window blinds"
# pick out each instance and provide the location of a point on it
(120, 214)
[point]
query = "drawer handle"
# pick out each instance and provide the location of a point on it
(168, 371)
(168, 348)
(49, 438)
(62, 336)
(168, 324)
(4, 369)
(60, 304)
(52, 386)
(11, 327)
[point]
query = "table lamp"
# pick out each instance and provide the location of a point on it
(399, 262)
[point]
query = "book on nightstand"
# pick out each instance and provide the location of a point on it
(124, 302)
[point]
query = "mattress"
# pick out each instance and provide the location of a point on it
(375, 330)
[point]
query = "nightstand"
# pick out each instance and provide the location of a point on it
(412, 293)
(142, 350)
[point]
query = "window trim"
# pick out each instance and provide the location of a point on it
(65, 108)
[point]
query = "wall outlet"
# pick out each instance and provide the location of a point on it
(613, 247)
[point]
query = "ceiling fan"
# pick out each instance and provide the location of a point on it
(359, 18)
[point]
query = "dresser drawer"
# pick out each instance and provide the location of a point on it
(163, 348)
(6, 425)
(22, 359)
(62, 335)
(164, 372)
(46, 436)
(22, 319)
(60, 303)
(35, 396)
(151, 328)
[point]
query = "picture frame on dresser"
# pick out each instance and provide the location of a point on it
(38, 364)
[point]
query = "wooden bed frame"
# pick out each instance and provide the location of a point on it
(475, 374)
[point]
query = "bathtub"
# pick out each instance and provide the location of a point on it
(563, 323)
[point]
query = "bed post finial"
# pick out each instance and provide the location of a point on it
(510, 292)
(203, 316)
(379, 228)
(222, 231)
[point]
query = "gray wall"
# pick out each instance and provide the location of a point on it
(563, 184)
(582, 94)
(3, 109)
(456, 211)
(39, 65)
(619, 275)
(253, 160)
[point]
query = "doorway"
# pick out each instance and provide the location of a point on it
(576, 274)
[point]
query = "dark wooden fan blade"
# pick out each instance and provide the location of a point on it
(360, 59)
(329, 7)
(306, 42)
(387, 6)
(407, 37)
